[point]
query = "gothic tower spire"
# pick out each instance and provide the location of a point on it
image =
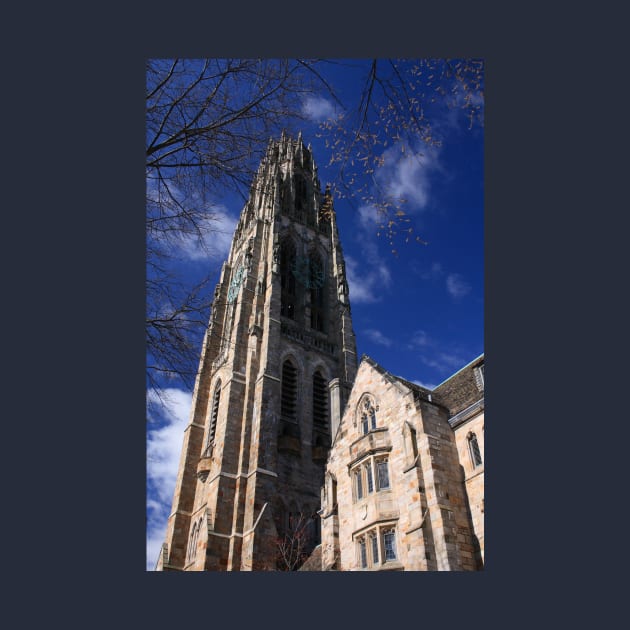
(278, 360)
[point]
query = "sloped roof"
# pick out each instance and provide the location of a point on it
(457, 392)
(460, 390)
(421, 392)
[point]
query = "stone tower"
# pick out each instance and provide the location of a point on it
(277, 364)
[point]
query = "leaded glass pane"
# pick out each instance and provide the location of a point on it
(363, 552)
(383, 475)
(374, 549)
(364, 423)
(474, 450)
(359, 484)
(370, 481)
(389, 542)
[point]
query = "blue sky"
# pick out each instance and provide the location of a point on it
(419, 314)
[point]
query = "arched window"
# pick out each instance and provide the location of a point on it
(214, 413)
(473, 449)
(288, 297)
(368, 415)
(317, 284)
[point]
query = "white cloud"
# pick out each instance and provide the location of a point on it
(368, 277)
(366, 280)
(154, 544)
(458, 113)
(406, 175)
(317, 108)
(436, 270)
(444, 362)
(419, 339)
(378, 337)
(456, 286)
(167, 419)
(215, 241)
(368, 217)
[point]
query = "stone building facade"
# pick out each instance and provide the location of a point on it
(404, 478)
(293, 452)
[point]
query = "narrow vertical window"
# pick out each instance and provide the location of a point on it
(316, 282)
(383, 474)
(214, 413)
(288, 295)
(368, 474)
(473, 447)
(358, 484)
(389, 544)
(301, 202)
(479, 377)
(374, 541)
(363, 552)
(192, 545)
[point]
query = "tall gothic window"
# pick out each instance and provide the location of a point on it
(285, 198)
(300, 196)
(288, 298)
(317, 283)
(473, 448)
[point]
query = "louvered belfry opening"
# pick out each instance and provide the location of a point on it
(320, 402)
(289, 427)
(215, 413)
(321, 433)
(288, 404)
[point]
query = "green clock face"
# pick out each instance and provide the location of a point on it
(309, 272)
(235, 284)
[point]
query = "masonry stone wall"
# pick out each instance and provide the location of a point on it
(425, 503)
(474, 477)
